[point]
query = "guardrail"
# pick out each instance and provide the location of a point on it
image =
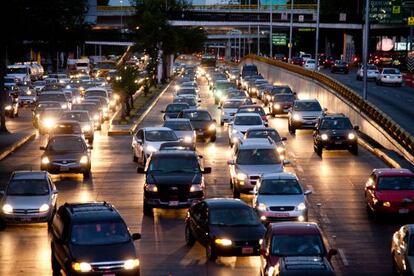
(392, 128)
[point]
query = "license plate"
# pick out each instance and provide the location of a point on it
(338, 142)
(25, 219)
(247, 250)
(200, 132)
(391, 77)
(64, 169)
(173, 203)
(403, 211)
(108, 274)
(281, 215)
(309, 123)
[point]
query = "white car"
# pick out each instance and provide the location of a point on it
(241, 123)
(390, 76)
(229, 109)
(310, 64)
(187, 92)
(148, 140)
(372, 72)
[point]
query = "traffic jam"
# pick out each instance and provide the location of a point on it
(267, 211)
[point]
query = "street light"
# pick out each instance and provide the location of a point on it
(365, 49)
(122, 9)
(317, 35)
(271, 31)
(290, 31)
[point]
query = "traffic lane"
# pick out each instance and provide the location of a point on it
(23, 123)
(395, 101)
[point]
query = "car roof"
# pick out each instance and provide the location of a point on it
(225, 202)
(306, 100)
(250, 106)
(261, 128)
(185, 153)
(257, 145)
(155, 128)
(29, 174)
(282, 175)
(392, 172)
(295, 228)
(186, 120)
(334, 115)
(92, 211)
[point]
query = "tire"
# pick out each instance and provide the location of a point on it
(213, 139)
(55, 264)
(189, 238)
(231, 183)
(354, 150)
(147, 210)
(134, 157)
(292, 130)
(2, 224)
(87, 174)
(222, 123)
(318, 150)
(236, 193)
(210, 253)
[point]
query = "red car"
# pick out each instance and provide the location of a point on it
(291, 239)
(297, 61)
(390, 191)
(254, 108)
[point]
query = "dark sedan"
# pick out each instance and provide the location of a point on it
(201, 120)
(226, 227)
(172, 110)
(281, 104)
(340, 66)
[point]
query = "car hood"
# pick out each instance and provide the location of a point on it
(201, 124)
(27, 202)
(182, 134)
(103, 253)
(172, 114)
(244, 128)
(281, 200)
(396, 196)
(66, 156)
(238, 233)
(338, 132)
(410, 260)
(260, 169)
(308, 113)
(156, 144)
(229, 110)
(174, 178)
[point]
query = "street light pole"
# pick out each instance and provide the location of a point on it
(365, 49)
(317, 35)
(290, 31)
(258, 30)
(271, 31)
(122, 9)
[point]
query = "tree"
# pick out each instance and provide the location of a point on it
(126, 84)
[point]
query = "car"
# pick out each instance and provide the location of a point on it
(225, 227)
(340, 66)
(229, 109)
(250, 82)
(292, 239)
(48, 118)
(28, 197)
(11, 106)
(389, 191)
(235, 94)
(92, 239)
(40, 106)
(304, 114)
(309, 64)
(389, 76)
(172, 110)
(281, 57)
(183, 129)
(305, 56)
(249, 70)
(261, 90)
(66, 153)
(372, 72)
(241, 123)
(220, 88)
(148, 140)
(259, 133)
(187, 92)
(202, 122)
(174, 179)
(254, 87)
(280, 196)
(402, 250)
(297, 61)
(249, 161)
(66, 127)
(271, 91)
(335, 131)
(38, 85)
(191, 101)
(55, 96)
(329, 61)
(27, 95)
(86, 123)
(93, 110)
(180, 145)
(102, 105)
(281, 104)
(254, 108)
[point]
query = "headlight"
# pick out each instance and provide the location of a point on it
(177, 87)
(241, 176)
(280, 149)
(8, 107)
(196, 188)
(29, 92)
(151, 188)
(81, 267)
(112, 103)
(64, 106)
(386, 204)
(151, 149)
(49, 123)
(44, 208)
(45, 160)
(351, 136)
(188, 139)
(116, 97)
(131, 264)
(276, 106)
(67, 86)
(84, 160)
(108, 78)
(324, 137)
(262, 207)
(7, 209)
(96, 117)
(296, 117)
(301, 206)
(86, 129)
(223, 242)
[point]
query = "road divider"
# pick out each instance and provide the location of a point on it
(19, 143)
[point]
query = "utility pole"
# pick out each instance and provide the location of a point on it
(258, 30)
(317, 35)
(248, 41)
(365, 49)
(290, 45)
(271, 31)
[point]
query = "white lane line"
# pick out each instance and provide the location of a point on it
(343, 257)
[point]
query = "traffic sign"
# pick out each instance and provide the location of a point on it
(279, 39)
(385, 12)
(289, 45)
(396, 9)
(410, 21)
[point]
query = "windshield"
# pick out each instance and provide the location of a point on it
(76, 116)
(79, 64)
(257, 157)
(339, 123)
(63, 145)
(22, 70)
(176, 107)
(284, 98)
(160, 135)
(178, 125)
(186, 92)
(307, 106)
(42, 106)
(280, 187)
(248, 120)
(94, 93)
(396, 183)
(197, 115)
(28, 187)
(264, 134)
(235, 94)
(174, 163)
(99, 233)
(232, 104)
(297, 245)
(224, 85)
(51, 113)
(282, 90)
(391, 71)
(257, 110)
(240, 216)
(189, 101)
(52, 97)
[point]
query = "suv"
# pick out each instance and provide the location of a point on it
(335, 131)
(304, 115)
(92, 238)
(174, 179)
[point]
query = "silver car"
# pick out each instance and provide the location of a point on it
(249, 161)
(229, 109)
(86, 123)
(29, 197)
(304, 114)
(279, 196)
(182, 128)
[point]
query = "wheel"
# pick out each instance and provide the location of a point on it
(87, 174)
(236, 193)
(55, 264)
(147, 210)
(222, 123)
(134, 157)
(17, 113)
(189, 238)
(213, 139)
(354, 150)
(318, 150)
(2, 224)
(292, 130)
(231, 183)
(210, 253)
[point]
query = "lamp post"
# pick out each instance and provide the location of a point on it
(365, 49)
(290, 31)
(122, 10)
(271, 31)
(317, 35)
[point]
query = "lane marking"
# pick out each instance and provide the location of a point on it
(343, 257)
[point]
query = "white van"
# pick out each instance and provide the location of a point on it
(20, 73)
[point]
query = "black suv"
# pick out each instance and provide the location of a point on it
(92, 239)
(174, 179)
(335, 131)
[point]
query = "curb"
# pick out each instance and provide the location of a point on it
(379, 153)
(17, 145)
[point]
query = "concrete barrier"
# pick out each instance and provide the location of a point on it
(338, 98)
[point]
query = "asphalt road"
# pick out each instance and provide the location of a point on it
(337, 183)
(397, 102)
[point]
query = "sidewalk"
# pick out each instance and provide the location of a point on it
(11, 141)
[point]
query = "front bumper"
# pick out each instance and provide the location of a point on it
(154, 201)
(204, 133)
(24, 218)
(56, 168)
(338, 144)
(275, 216)
(391, 80)
(304, 124)
(239, 248)
(100, 272)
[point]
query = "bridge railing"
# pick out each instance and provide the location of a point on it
(399, 134)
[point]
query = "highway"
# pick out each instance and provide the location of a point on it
(337, 204)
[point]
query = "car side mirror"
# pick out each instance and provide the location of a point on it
(207, 170)
(356, 127)
(140, 170)
(325, 109)
(90, 147)
(162, 111)
(283, 138)
(331, 252)
(218, 107)
(136, 236)
(55, 192)
(230, 162)
(286, 162)
(307, 192)
(42, 148)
